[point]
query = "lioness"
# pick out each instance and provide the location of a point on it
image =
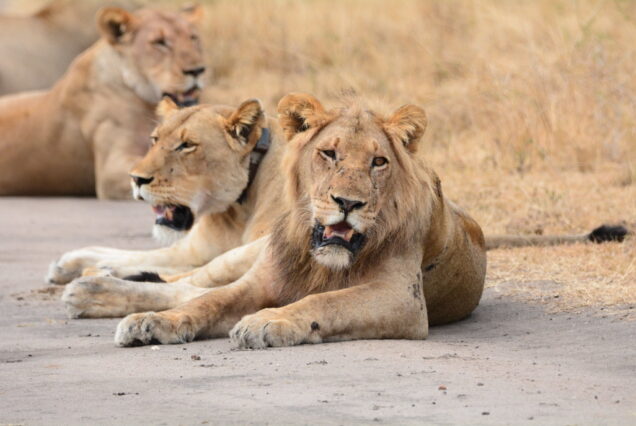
(213, 169)
(83, 136)
(366, 247)
(38, 48)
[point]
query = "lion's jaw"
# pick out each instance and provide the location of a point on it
(336, 242)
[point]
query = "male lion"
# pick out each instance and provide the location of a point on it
(212, 170)
(83, 136)
(366, 247)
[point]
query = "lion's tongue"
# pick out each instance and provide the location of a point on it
(189, 97)
(341, 229)
(164, 211)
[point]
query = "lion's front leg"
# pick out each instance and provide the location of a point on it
(226, 268)
(116, 152)
(182, 256)
(71, 264)
(210, 315)
(115, 262)
(375, 310)
(109, 297)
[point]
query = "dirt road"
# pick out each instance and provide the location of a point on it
(510, 363)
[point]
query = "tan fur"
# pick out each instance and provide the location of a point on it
(208, 177)
(423, 259)
(83, 136)
(37, 49)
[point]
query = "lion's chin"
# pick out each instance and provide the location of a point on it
(333, 256)
(167, 236)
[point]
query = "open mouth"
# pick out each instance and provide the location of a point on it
(179, 218)
(185, 99)
(341, 234)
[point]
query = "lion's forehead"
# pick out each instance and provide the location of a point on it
(171, 25)
(196, 124)
(180, 121)
(356, 146)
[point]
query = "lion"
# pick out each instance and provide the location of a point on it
(38, 48)
(83, 136)
(211, 174)
(366, 246)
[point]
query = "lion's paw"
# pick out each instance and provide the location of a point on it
(97, 297)
(61, 272)
(71, 265)
(142, 329)
(267, 328)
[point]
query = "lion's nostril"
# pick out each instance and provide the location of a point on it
(139, 180)
(194, 72)
(347, 205)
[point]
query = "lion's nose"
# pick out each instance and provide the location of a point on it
(194, 72)
(346, 205)
(139, 180)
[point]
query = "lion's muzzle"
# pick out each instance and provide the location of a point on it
(341, 234)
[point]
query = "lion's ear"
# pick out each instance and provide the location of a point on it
(298, 112)
(193, 12)
(242, 125)
(114, 23)
(407, 125)
(166, 107)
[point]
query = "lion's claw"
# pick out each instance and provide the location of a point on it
(268, 328)
(148, 327)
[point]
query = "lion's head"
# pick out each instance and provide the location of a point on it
(160, 51)
(354, 180)
(198, 162)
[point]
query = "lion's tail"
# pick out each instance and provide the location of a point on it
(599, 235)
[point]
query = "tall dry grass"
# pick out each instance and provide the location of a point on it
(513, 85)
(532, 108)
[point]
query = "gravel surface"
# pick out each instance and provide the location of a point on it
(509, 363)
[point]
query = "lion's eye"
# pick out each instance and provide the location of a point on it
(329, 153)
(160, 42)
(194, 37)
(153, 140)
(379, 161)
(185, 146)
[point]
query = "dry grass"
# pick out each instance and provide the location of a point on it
(531, 108)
